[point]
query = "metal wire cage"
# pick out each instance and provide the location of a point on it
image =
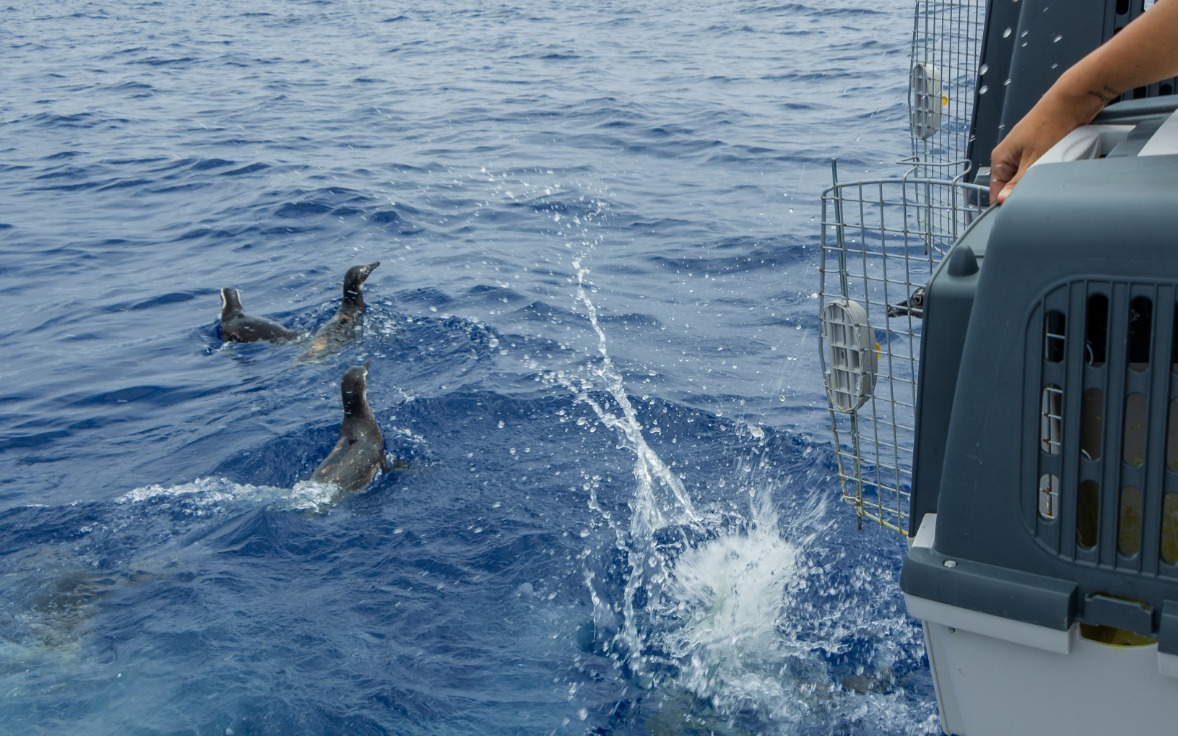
(946, 47)
(881, 240)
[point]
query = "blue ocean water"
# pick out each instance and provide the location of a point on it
(593, 346)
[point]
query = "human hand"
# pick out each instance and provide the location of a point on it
(1044, 126)
(1071, 102)
(1142, 53)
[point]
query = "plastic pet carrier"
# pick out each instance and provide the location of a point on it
(1045, 491)
(1003, 386)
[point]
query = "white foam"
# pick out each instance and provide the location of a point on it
(206, 494)
(728, 595)
(311, 496)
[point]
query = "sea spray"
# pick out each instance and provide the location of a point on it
(650, 471)
(736, 613)
(704, 591)
(660, 502)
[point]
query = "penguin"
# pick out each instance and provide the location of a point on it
(359, 453)
(236, 326)
(345, 324)
(913, 305)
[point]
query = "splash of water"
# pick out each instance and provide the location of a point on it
(728, 595)
(703, 611)
(650, 471)
(733, 619)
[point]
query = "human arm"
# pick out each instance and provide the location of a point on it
(1144, 52)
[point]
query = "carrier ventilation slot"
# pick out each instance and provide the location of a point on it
(1105, 479)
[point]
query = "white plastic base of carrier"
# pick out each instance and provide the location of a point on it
(999, 677)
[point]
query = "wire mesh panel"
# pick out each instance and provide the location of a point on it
(881, 240)
(946, 47)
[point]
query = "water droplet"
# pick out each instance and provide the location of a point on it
(985, 68)
(1006, 83)
(984, 89)
(1007, 32)
(1057, 39)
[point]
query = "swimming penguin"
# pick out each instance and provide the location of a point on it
(345, 324)
(236, 326)
(359, 452)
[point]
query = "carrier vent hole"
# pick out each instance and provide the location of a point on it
(1048, 496)
(1087, 514)
(1092, 423)
(1113, 637)
(1174, 343)
(1129, 526)
(1133, 436)
(1096, 330)
(1053, 336)
(1172, 437)
(1169, 551)
(1051, 420)
(1140, 331)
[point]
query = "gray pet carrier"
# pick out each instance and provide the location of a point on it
(1003, 382)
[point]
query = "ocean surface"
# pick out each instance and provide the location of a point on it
(593, 352)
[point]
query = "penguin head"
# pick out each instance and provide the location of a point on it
(230, 302)
(353, 280)
(354, 388)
